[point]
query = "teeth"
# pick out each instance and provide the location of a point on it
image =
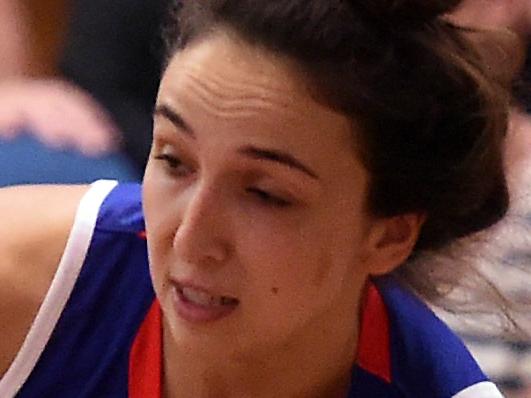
(204, 299)
(198, 297)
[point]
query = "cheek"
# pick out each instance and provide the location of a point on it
(273, 259)
(158, 227)
(297, 263)
(158, 197)
(159, 253)
(300, 285)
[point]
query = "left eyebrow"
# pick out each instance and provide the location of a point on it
(279, 157)
(175, 118)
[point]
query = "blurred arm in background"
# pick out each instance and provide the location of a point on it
(51, 130)
(59, 114)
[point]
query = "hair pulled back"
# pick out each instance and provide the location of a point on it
(432, 116)
(407, 13)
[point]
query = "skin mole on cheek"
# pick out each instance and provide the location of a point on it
(274, 290)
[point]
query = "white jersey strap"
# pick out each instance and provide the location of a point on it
(485, 389)
(60, 289)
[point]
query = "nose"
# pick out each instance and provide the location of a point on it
(202, 234)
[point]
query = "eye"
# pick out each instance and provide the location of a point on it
(174, 164)
(268, 198)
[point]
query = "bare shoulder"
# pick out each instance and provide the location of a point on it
(35, 224)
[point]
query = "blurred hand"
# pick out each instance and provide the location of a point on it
(60, 115)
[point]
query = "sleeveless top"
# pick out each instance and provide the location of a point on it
(98, 331)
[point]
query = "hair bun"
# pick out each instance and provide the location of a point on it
(408, 12)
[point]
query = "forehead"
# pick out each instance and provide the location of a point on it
(236, 84)
(232, 66)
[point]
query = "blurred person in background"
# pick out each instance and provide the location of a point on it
(509, 362)
(50, 130)
(514, 15)
(510, 14)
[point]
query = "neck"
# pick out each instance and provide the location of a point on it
(317, 364)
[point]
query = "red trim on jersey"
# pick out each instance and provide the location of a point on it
(145, 358)
(142, 234)
(146, 353)
(374, 354)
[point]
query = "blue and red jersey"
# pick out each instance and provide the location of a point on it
(98, 332)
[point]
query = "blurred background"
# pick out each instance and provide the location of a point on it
(78, 81)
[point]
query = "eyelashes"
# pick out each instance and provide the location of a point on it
(171, 161)
(177, 168)
(174, 164)
(268, 198)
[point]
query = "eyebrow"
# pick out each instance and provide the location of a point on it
(176, 119)
(249, 151)
(278, 157)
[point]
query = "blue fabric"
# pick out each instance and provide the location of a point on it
(24, 160)
(88, 353)
(366, 385)
(427, 358)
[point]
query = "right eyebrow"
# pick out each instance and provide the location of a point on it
(174, 117)
(280, 157)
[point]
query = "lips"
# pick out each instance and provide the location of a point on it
(198, 305)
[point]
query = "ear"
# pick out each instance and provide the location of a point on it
(390, 241)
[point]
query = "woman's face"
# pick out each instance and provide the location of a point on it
(489, 14)
(254, 204)
(514, 15)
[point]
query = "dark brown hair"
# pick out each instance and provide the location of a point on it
(433, 116)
